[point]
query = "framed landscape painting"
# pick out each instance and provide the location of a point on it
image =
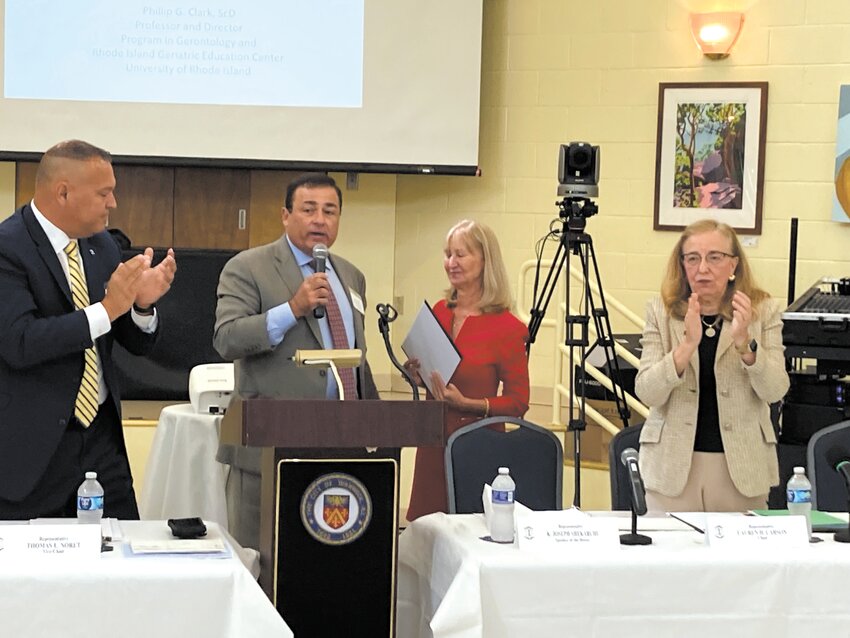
(709, 158)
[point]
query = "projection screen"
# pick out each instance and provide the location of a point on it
(372, 85)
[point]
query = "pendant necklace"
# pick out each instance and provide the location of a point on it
(710, 327)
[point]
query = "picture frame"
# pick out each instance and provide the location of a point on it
(709, 160)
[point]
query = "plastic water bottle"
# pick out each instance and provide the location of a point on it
(90, 500)
(799, 492)
(502, 513)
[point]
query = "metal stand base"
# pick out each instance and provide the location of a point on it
(635, 539)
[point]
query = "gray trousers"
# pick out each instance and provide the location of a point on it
(242, 492)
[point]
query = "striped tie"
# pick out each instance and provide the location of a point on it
(340, 341)
(85, 408)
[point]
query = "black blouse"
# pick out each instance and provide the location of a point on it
(708, 422)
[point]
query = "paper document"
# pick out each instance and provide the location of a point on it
(654, 522)
(178, 546)
(821, 521)
(429, 343)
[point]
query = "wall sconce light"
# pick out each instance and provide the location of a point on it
(716, 33)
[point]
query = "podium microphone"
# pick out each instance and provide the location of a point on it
(320, 260)
(629, 458)
(839, 459)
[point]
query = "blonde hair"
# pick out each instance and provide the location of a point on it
(495, 289)
(675, 289)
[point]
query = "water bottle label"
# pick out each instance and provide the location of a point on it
(89, 503)
(799, 496)
(502, 497)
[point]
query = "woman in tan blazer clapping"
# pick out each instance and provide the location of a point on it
(712, 363)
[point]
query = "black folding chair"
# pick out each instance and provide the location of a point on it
(475, 453)
(829, 494)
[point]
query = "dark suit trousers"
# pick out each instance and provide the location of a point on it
(98, 448)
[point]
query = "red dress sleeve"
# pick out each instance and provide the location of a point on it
(512, 366)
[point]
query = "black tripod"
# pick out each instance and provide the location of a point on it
(573, 212)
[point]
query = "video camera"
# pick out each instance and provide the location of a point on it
(578, 170)
(578, 178)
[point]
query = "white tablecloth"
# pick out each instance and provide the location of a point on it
(135, 597)
(182, 477)
(452, 584)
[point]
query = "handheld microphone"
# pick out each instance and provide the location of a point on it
(629, 458)
(320, 259)
(839, 459)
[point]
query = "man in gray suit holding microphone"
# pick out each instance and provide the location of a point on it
(286, 296)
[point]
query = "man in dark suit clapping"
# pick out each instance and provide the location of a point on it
(66, 298)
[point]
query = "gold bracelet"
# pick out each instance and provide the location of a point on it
(486, 407)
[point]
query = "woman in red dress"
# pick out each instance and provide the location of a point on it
(491, 342)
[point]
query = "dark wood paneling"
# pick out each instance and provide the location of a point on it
(145, 210)
(206, 208)
(268, 189)
(24, 182)
(163, 206)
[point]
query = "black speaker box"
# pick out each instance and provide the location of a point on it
(801, 420)
(187, 313)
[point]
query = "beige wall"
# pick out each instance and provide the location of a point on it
(7, 189)
(367, 227)
(558, 71)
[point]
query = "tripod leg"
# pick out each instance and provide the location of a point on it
(605, 337)
(541, 302)
(577, 419)
(581, 245)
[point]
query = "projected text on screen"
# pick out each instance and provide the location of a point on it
(284, 53)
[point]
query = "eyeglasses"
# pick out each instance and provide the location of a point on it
(713, 258)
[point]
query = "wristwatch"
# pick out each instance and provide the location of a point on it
(145, 312)
(752, 346)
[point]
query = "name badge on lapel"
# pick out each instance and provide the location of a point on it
(357, 302)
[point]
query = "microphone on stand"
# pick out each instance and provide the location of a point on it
(839, 459)
(386, 315)
(320, 259)
(629, 458)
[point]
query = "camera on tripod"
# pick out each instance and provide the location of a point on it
(578, 181)
(578, 177)
(578, 170)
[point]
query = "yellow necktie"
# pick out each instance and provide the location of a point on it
(85, 408)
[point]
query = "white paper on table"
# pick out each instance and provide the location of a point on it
(179, 546)
(429, 343)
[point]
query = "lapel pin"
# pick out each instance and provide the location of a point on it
(91, 251)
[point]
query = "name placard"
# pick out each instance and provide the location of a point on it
(748, 532)
(565, 530)
(54, 542)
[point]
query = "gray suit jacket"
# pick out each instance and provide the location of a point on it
(743, 397)
(251, 283)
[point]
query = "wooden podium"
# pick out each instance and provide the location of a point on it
(329, 504)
